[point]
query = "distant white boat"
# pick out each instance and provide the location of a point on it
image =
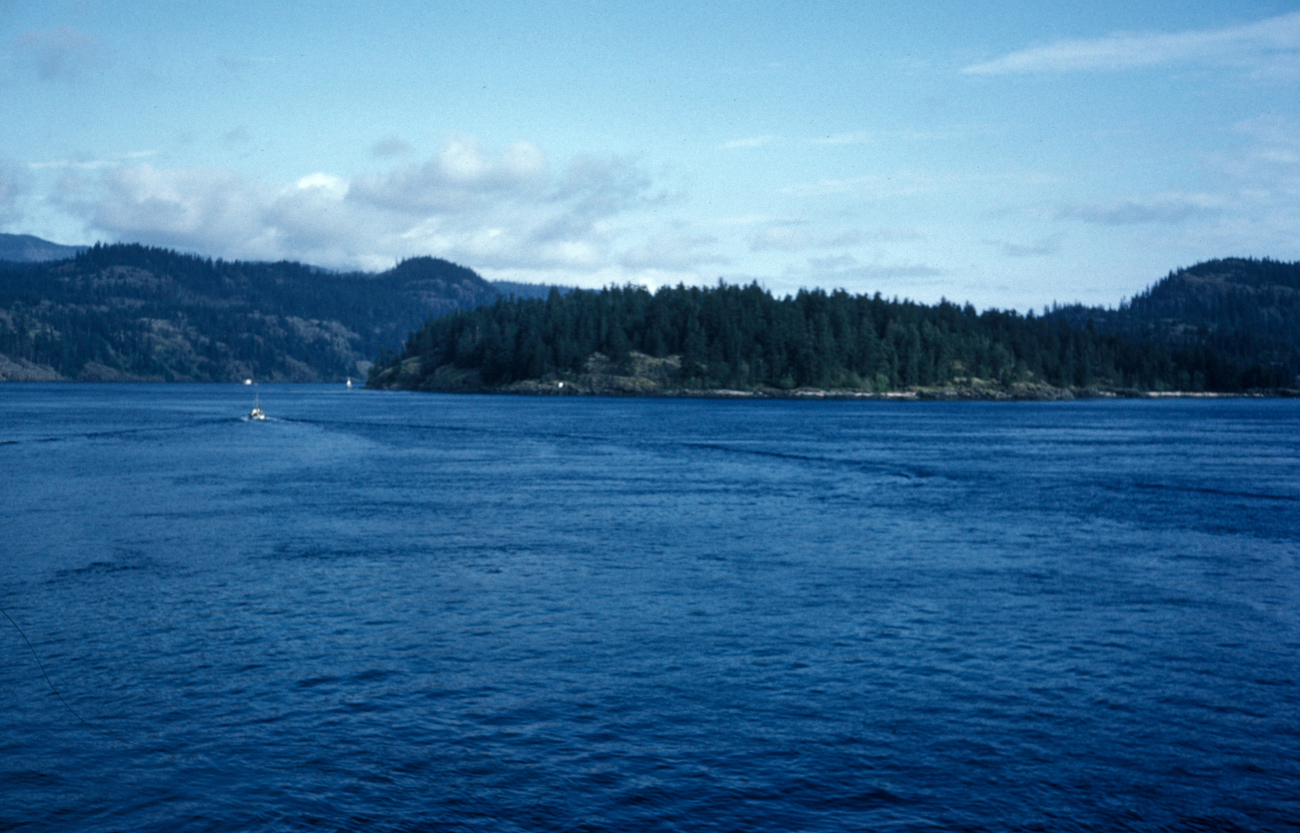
(257, 413)
(349, 381)
(248, 381)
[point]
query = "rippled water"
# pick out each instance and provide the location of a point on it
(391, 611)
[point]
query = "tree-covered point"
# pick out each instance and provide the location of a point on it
(743, 337)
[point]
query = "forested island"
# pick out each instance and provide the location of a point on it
(1227, 326)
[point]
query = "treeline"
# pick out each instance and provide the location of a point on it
(742, 337)
(1246, 311)
(136, 312)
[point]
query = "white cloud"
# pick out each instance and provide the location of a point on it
(461, 176)
(189, 209)
(335, 187)
(1265, 46)
(506, 211)
(60, 54)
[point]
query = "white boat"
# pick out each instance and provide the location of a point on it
(257, 413)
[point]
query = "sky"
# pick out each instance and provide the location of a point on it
(1011, 155)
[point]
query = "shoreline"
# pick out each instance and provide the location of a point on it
(647, 376)
(1018, 394)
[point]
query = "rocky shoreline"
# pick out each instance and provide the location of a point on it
(1015, 393)
(655, 377)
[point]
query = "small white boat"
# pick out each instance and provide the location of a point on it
(257, 413)
(349, 381)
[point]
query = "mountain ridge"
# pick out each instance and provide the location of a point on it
(27, 248)
(132, 312)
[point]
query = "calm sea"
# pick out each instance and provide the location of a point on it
(384, 611)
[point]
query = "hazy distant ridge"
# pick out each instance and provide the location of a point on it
(24, 248)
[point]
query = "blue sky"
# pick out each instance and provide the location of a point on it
(1008, 154)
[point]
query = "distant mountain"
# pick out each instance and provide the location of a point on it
(132, 312)
(24, 248)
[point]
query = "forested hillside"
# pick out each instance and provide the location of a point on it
(1244, 309)
(117, 312)
(133, 312)
(741, 337)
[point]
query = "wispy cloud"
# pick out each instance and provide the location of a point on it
(60, 54)
(897, 184)
(1264, 45)
(1039, 248)
(1169, 209)
(796, 235)
(860, 137)
(92, 164)
(848, 271)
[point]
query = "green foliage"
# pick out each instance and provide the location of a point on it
(743, 337)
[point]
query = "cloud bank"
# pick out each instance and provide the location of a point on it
(511, 212)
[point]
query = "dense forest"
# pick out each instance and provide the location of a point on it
(1246, 310)
(117, 312)
(741, 337)
(133, 312)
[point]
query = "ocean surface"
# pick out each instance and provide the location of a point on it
(388, 611)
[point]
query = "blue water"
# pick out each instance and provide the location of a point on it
(383, 611)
